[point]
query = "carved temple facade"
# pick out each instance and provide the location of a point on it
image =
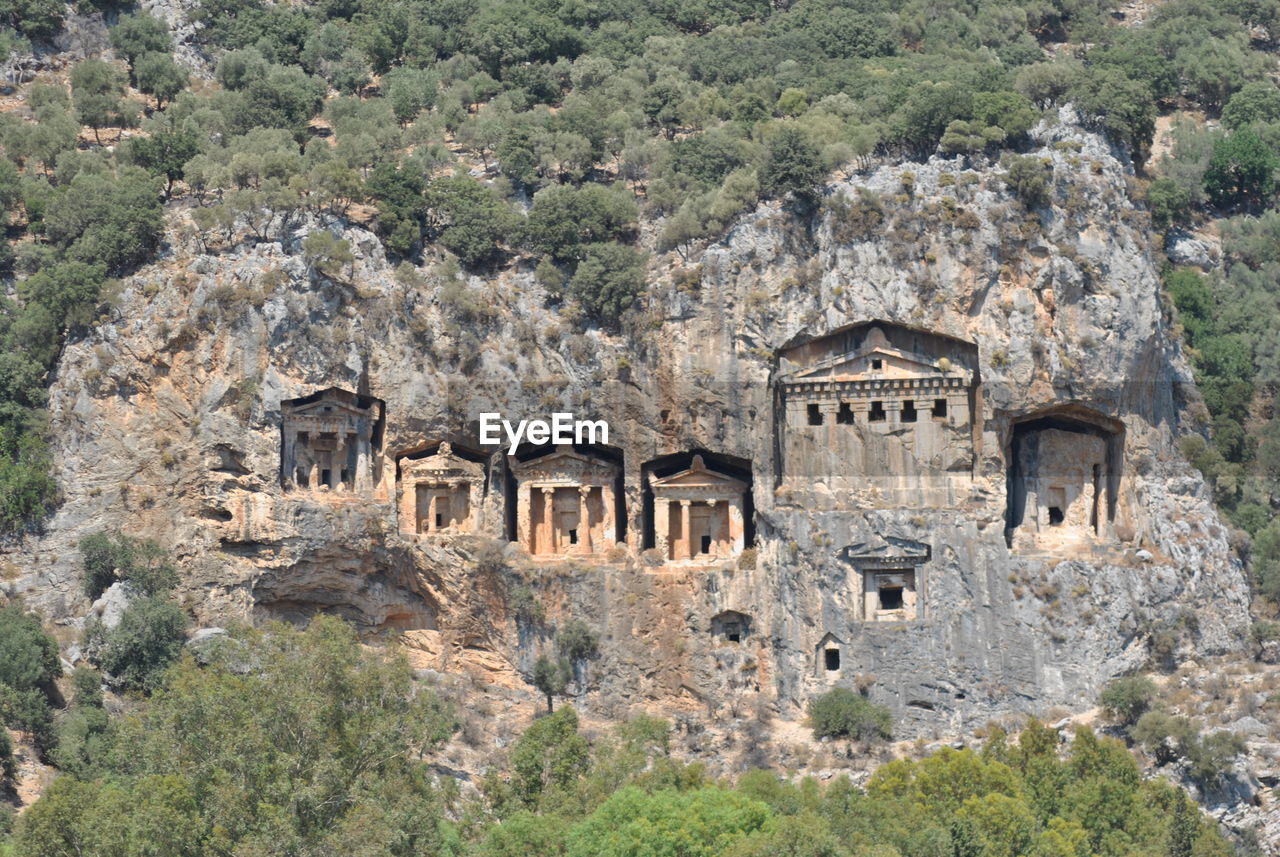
(566, 504)
(440, 494)
(698, 514)
(881, 410)
(330, 442)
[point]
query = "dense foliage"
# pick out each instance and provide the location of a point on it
(29, 663)
(288, 742)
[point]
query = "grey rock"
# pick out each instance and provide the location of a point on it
(111, 605)
(1182, 248)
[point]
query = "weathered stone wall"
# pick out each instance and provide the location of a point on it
(166, 422)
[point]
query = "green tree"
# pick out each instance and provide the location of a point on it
(1170, 203)
(115, 221)
(1241, 170)
(327, 253)
(608, 281)
(138, 34)
(147, 641)
(159, 76)
(564, 220)
(551, 678)
(549, 756)
(792, 164)
(1128, 698)
(1256, 102)
(470, 220)
(97, 91)
(164, 153)
(842, 713)
(705, 822)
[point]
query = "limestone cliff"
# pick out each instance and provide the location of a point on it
(167, 422)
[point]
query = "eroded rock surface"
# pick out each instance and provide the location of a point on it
(167, 422)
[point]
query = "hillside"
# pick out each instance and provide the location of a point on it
(934, 375)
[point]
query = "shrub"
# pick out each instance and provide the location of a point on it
(1170, 203)
(148, 639)
(1028, 177)
(608, 281)
(842, 713)
(1126, 699)
(104, 559)
(577, 641)
(551, 678)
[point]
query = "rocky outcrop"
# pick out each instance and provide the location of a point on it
(167, 422)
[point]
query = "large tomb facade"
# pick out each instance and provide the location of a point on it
(699, 514)
(441, 493)
(566, 503)
(880, 409)
(330, 442)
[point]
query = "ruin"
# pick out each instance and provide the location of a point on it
(330, 442)
(879, 406)
(566, 503)
(892, 578)
(1064, 469)
(441, 492)
(731, 626)
(698, 514)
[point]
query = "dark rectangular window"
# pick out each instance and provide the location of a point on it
(876, 414)
(908, 411)
(324, 477)
(891, 598)
(815, 416)
(706, 544)
(573, 537)
(877, 363)
(844, 416)
(939, 408)
(831, 658)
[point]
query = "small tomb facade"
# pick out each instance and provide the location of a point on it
(731, 626)
(828, 656)
(566, 503)
(440, 494)
(330, 442)
(698, 514)
(891, 576)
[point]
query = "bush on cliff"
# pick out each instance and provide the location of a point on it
(842, 713)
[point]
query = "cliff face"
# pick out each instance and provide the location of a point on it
(1012, 552)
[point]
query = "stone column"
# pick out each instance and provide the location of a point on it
(608, 522)
(549, 539)
(718, 548)
(408, 506)
(584, 519)
(364, 472)
(288, 466)
(662, 527)
(524, 517)
(686, 541)
(431, 512)
(737, 526)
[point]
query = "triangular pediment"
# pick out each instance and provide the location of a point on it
(887, 550)
(327, 408)
(443, 463)
(698, 475)
(565, 460)
(875, 363)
